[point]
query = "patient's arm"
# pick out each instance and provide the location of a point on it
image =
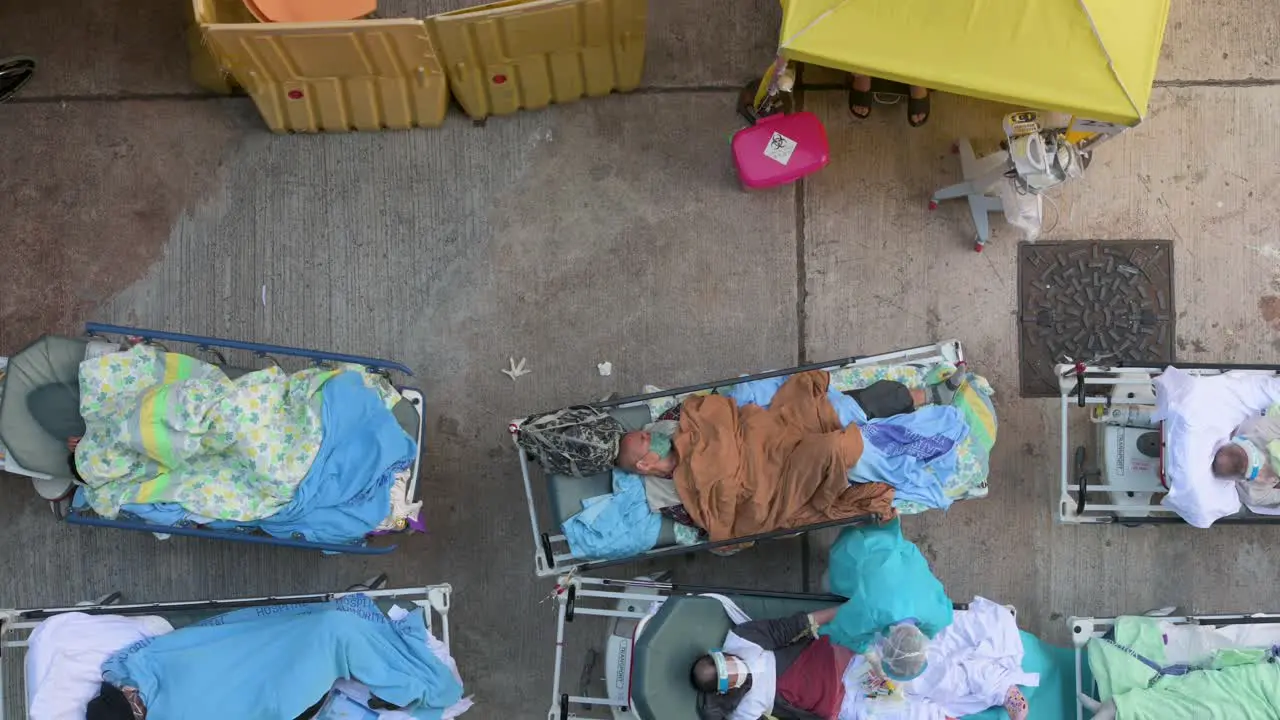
(774, 634)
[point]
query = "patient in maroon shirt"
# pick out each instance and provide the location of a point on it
(810, 670)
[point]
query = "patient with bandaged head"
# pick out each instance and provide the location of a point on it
(1251, 458)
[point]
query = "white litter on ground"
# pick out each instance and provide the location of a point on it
(517, 368)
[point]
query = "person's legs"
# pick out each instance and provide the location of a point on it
(860, 96)
(886, 398)
(917, 105)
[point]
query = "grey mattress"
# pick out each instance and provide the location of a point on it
(57, 361)
(685, 628)
(567, 492)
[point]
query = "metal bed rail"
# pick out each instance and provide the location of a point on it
(1084, 629)
(214, 347)
(552, 556)
(1094, 386)
(16, 625)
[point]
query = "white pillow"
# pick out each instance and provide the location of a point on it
(1200, 413)
(65, 655)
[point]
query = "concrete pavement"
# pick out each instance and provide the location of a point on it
(608, 230)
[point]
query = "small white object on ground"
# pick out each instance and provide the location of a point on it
(264, 295)
(605, 368)
(517, 368)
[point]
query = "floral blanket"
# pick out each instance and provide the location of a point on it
(166, 428)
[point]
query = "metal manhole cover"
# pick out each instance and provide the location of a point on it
(1108, 299)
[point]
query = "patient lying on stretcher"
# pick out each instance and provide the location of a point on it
(274, 662)
(784, 453)
(650, 451)
(1251, 459)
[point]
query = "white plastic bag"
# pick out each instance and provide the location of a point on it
(1023, 210)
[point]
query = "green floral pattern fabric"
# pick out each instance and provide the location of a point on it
(166, 428)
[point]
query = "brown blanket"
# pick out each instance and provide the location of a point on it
(746, 470)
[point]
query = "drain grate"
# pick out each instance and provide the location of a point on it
(1101, 299)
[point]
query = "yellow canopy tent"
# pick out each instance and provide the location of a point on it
(1093, 59)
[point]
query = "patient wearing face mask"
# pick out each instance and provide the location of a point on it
(782, 668)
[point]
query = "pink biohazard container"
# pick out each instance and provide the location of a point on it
(780, 149)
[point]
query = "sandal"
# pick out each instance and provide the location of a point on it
(862, 99)
(918, 106)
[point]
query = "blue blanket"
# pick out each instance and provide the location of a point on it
(887, 581)
(274, 662)
(616, 525)
(914, 452)
(346, 492)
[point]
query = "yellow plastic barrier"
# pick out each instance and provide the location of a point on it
(397, 73)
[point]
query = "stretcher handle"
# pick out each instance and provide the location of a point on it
(1079, 391)
(546, 550)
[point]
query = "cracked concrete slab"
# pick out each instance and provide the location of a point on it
(108, 48)
(1194, 47)
(567, 237)
(884, 271)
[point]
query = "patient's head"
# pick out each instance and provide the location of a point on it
(647, 452)
(110, 704)
(1231, 461)
(719, 673)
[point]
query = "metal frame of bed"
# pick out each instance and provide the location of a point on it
(1084, 629)
(1116, 390)
(624, 604)
(16, 625)
(215, 351)
(552, 556)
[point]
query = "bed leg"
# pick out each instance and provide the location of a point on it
(564, 706)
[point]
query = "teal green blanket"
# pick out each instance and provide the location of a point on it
(166, 428)
(887, 581)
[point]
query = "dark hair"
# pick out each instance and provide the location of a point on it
(704, 675)
(110, 704)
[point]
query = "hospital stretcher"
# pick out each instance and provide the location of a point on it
(564, 494)
(1265, 626)
(16, 625)
(1122, 480)
(27, 450)
(649, 648)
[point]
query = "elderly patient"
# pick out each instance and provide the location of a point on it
(1251, 459)
(782, 669)
(651, 452)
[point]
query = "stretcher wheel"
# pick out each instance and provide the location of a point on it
(14, 73)
(933, 204)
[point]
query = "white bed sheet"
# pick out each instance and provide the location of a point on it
(65, 655)
(1199, 415)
